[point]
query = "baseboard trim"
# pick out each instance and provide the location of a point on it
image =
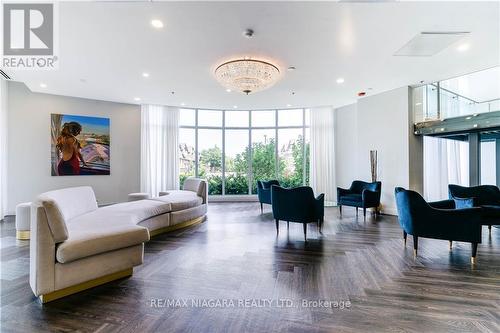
(390, 211)
(23, 234)
(177, 226)
(85, 285)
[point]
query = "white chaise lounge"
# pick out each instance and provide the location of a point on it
(75, 245)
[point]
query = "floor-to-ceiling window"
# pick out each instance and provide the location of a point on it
(236, 152)
(233, 149)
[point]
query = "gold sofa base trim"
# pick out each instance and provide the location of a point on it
(23, 235)
(177, 226)
(85, 285)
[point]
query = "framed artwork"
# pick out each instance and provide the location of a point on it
(80, 145)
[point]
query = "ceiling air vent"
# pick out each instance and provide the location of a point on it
(5, 76)
(427, 44)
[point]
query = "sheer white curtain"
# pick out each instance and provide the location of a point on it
(445, 162)
(3, 148)
(322, 170)
(159, 148)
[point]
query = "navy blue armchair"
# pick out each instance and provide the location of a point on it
(360, 195)
(264, 192)
(297, 205)
(485, 196)
(432, 220)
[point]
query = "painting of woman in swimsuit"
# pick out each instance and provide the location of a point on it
(80, 145)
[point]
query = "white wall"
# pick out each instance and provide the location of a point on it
(3, 148)
(378, 122)
(29, 146)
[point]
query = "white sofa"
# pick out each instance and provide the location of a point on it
(75, 245)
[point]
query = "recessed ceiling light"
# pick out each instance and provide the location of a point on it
(468, 118)
(137, 99)
(340, 80)
(157, 24)
(228, 90)
(145, 74)
(43, 85)
(235, 106)
(289, 105)
(463, 47)
(182, 104)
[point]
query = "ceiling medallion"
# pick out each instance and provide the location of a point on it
(247, 75)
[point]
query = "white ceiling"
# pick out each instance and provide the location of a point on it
(104, 48)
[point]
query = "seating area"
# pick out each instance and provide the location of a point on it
(360, 195)
(487, 197)
(264, 192)
(76, 245)
(297, 205)
(437, 220)
(151, 153)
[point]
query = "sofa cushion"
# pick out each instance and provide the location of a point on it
(180, 199)
(96, 233)
(464, 203)
(140, 209)
(351, 198)
(72, 201)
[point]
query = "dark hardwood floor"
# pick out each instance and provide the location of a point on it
(235, 255)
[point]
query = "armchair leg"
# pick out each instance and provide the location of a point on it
(305, 231)
(288, 224)
(404, 236)
(356, 211)
(489, 228)
(261, 208)
(415, 245)
(474, 252)
(364, 213)
(277, 226)
(340, 209)
(451, 245)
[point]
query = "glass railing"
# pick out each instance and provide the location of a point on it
(432, 102)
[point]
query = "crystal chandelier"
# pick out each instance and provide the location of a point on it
(247, 75)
